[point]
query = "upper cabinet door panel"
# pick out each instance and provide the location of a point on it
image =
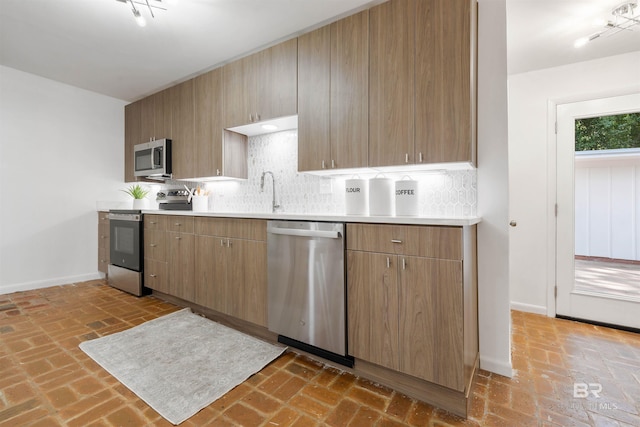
(208, 118)
(314, 106)
(132, 136)
(162, 114)
(236, 92)
(183, 129)
(283, 85)
(350, 91)
(391, 87)
(444, 81)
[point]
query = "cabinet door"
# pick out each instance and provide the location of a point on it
(208, 116)
(181, 252)
(253, 257)
(443, 125)
(211, 285)
(132, 136)
(431, 320)
(147, 119)
(238, 91)
(282, 79)
(103, 242)
(162, 114)
(155, 245)
(350, 91)
(372, 305)
(182, 147)
(314, 99)
(391, 87)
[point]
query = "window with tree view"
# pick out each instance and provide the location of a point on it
(608, 132)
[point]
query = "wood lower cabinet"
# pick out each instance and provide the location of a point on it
(103, 242)
(180, 242)
(155, 253)
(231, 267)
(410, 309)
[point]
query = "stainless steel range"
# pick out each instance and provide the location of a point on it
(125, 269)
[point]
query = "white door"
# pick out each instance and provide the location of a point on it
(571, 301)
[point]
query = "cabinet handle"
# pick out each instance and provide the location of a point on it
(228, 243)
(323, 164)
(257, 117)
(388, 262)
(153, 245)
(177, 224)
(420, 157)
(178, 238)
(406, 157)
(221, 242)
(152, 275)
(404, 264)
(333, 164)
(396, 241)
(152, 222)
(250, 118)
(218, 172)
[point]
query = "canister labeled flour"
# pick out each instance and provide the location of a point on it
(406, 197)
(356, 196)
(381, 196)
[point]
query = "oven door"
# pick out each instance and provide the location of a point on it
(126, 233)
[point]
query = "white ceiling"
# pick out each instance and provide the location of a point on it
(96, 44)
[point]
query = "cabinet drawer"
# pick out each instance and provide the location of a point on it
(155, 275)
(181, 224)
(235, 228)
(414, 240)
(155, 222)
(103, 259)
(103, 218)
(103, 236)
(155, 245)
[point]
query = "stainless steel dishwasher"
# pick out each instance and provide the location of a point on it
(306, 287)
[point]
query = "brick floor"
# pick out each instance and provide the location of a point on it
(46, 380)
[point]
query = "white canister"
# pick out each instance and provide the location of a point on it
(200, 203)
(356, 196)
(406, 197)
(381, 196)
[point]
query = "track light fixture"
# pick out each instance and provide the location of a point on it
(149, 4)
(625, 17)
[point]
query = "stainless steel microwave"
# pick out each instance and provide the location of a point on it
(153, 159)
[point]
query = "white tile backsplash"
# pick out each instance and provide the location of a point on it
(441, 194)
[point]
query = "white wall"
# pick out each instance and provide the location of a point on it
(607, 200)
(532, 100)
(60, 151)
(494, 317)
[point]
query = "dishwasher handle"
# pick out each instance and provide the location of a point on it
(305, 233)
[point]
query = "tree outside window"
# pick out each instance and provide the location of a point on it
(608, 132)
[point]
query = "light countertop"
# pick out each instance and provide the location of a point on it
(415, 220)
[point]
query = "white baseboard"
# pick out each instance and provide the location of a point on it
(39, 284)
(496, 366)
(529, 308)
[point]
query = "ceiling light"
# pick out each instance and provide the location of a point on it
(139, 18)
(625, 18)
(146, 4)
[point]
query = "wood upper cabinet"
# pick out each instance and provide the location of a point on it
(208, 119)
(183, 131)
(333, 103)
(392, 82)
(261, 86)
(422, 91)
(445, 128)
(155, 116)
(132, 136)
(407, 304)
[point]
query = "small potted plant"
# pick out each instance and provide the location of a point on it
(138, 193)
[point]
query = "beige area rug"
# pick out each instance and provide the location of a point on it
(181, 362)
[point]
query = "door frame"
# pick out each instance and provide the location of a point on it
(552, 104)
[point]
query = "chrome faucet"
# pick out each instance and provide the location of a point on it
(274, 205)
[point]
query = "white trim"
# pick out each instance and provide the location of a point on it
(496, 366)
(529, 308)
(39, 284)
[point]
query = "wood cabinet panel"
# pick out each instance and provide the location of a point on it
(147, 119)
(103, 242)
(372, 302)
(180, 260)
(391, 87)
(253, 257)
(208, 124)
(132, 136)
(314, 99)
(234, 155)
(280, 70)
(444, 90)
(155, 222)
(162, 114)
(350, 91)
(236, 92)
(425, 241)
(237, 228)
(155, 245)
(180, 223)
(182, 128)
(211, 289)
(155, 275)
